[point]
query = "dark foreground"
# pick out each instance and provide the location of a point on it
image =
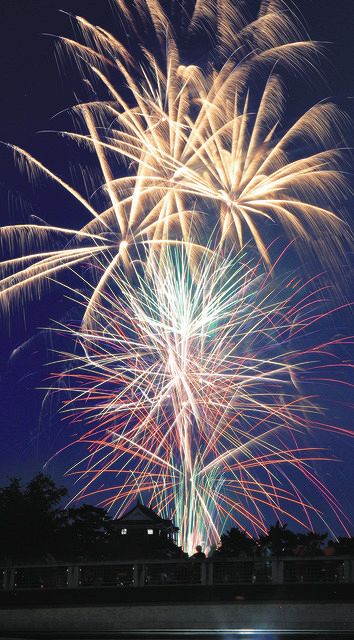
(167, 634)
(222, 612)
(178, 594)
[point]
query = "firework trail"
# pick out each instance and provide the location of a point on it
(202, 147)
(190, 393)
(190, 371)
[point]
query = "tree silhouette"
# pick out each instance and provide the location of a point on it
(84, 535)
(30, 518)
(279, 540)
(236, 543)
(311, 542)
(345, 546)
(35, 529)
(11, 520)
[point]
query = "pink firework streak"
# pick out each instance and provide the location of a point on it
(191, 388)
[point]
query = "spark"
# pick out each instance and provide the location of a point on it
(206, 155)
(188, 369)
(189, 390)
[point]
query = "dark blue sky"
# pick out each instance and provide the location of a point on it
(33, 90)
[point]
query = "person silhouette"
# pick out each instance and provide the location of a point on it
(199, 555)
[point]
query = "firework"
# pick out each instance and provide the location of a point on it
(188, 370)
(190, 393)
(202, 149)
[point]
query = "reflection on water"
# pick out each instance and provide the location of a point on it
(239, 634)
(249, 634)
(189, 634)
(213, 634)
(253, 634)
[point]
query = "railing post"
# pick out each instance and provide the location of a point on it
(4, 579)
(143, 574)
(138, 575)
(277, 570)
(203, 573)
(73, 577)
(135, 575)
(351, 570)
(9, 578)
(347, 571)
(210, 573)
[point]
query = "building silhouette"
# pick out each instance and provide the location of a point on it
(142, 530)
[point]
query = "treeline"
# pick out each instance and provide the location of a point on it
(35, 528)
(279, 540)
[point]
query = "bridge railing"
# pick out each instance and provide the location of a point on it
(241, 572)
(89, 575)
(313, 570)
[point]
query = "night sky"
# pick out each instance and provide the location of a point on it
(35, 87)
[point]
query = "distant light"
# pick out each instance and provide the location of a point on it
(124, 532)
(150, 532)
